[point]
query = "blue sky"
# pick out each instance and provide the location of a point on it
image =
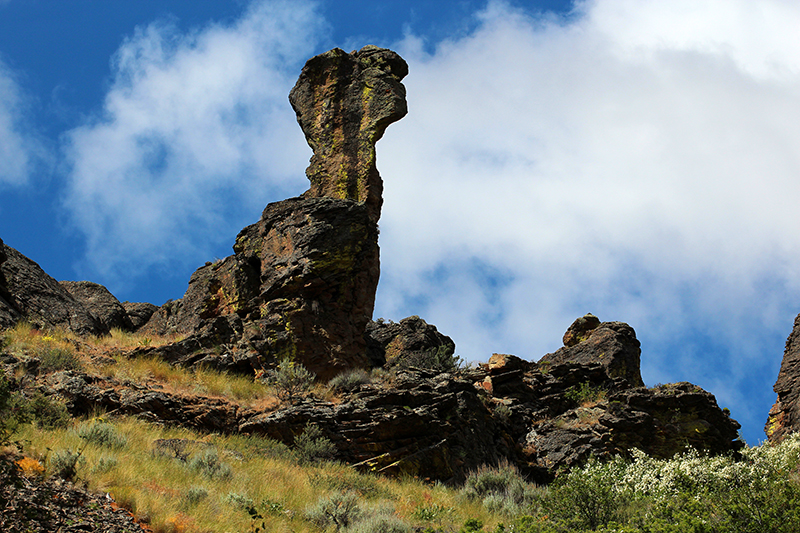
(635, 159)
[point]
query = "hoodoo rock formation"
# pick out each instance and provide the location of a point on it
(784, 417)
(303, 279)
(344, 102)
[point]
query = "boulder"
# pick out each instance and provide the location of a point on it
(784, 416)
(101, 303)
(402, 343)
(139, 313)
(612, 344)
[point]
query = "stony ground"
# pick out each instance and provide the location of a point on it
(35, 504)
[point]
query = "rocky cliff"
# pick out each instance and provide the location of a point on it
(784, 417)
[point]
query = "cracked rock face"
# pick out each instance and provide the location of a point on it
(344, 103)
(784, 417)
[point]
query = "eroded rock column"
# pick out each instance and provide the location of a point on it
(344, 103)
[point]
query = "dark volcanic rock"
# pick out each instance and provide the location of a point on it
(432, 426)
(86, 394)
(139, 313)
(539, 416)
(390, 343)
(303, 279)
(99, 302)
(344, 103)
(784, 417)
(612, 344)
(28, 293)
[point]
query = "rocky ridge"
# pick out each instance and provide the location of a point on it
(301, 285)
(441, 425)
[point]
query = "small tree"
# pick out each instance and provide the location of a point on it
(291, 380)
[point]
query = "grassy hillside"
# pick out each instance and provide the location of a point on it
(175, 480)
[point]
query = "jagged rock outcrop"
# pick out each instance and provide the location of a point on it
(402, 343)
(540, 416)
(344, 102)
(100, 303)
(28, 292)
(612, 344)
(784, 416)
(85, 394)
(303, 279)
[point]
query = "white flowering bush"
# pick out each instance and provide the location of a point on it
(757, 491)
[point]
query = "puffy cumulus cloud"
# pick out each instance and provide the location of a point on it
(631, 160)
(195, 136)
(18, 148)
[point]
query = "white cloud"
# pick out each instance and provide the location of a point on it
(18, 149)
(638, 161)
(196, 132)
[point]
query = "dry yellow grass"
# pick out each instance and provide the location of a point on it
(172, 494)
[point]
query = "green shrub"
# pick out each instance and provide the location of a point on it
(104, 464)
(350, 380)
(48, 412)
(193, 496)
(210, 466)
(238, 500)
(64, 464)
(501, 489)
(472, 525)
(54, 358)
(380, 523)
(337, 510)
(13, 410)
(440, 359)
(291, 380)
(312, 446)
(589, 497)
(430, 513)
(584, 393)
(101, 433)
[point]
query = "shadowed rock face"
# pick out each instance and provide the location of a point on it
(27, 292)
(784, 417)
(344, 103)
(100, 303)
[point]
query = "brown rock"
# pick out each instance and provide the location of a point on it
(99, 302)
(611, 344)
(344, 103)
(784, 417)
(580, 329)
(406, 343)
(27, 292)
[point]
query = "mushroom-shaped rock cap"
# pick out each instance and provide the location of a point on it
(344, 103)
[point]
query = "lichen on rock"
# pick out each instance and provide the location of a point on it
(344, 103)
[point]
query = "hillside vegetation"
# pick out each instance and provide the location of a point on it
(176, 480)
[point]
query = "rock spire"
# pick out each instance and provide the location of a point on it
(344, 103)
